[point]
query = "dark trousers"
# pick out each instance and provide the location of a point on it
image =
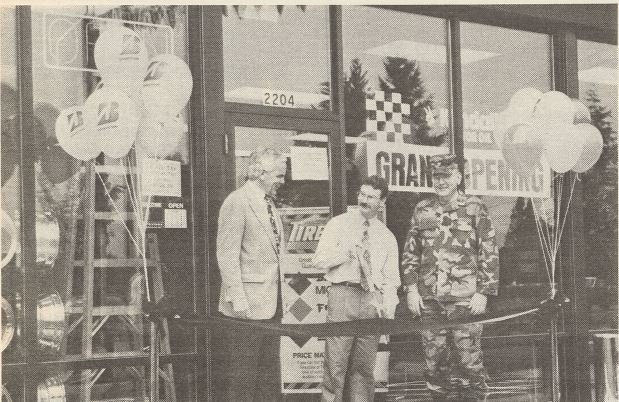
(252, 369)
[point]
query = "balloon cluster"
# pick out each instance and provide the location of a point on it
(138, 99)
(549, 125)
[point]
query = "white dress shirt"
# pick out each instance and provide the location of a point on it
(341, 236)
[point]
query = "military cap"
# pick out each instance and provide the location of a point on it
(443, 164)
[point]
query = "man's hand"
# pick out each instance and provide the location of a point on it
(414, 300)
(240, 307)
(478, 304)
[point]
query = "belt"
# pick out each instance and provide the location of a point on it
(355, 285)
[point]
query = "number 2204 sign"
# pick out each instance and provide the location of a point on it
(278, 99)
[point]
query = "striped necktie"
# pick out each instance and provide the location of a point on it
(269, 201)
(366, 265)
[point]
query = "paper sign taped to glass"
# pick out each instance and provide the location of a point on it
(304, 301)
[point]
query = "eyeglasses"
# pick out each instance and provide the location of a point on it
(368, 197)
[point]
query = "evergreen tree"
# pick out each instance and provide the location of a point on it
(600, 197)
(404, 76)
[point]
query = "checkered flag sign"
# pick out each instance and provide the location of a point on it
(386, 114)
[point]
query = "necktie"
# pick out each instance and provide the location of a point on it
(366, 265)
(268, 199)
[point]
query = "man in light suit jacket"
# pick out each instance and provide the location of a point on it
(249, 242)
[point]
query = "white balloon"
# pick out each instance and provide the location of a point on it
(562, 146)
(581, 112)
(121, 57)
(114, 119)
(167, 86)
(159, 139)
(554, 108)
(522, 148)
(522, 103)
(592, 149)
(74, 135)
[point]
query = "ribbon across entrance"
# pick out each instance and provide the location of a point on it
(375, 326)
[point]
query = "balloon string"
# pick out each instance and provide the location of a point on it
(545, 246)
(549, 218)
(142, 220)
(544, 235)
(557, 212)
(129, 188)
(119, 213)
(567, 207)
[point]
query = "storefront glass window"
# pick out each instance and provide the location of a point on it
(102, 211)
(12, 257)
(513, 60)
(406, 65)
(597, 73)
(277, 56)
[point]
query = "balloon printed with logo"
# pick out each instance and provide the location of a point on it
(562, 146)
(159, 139)
(581, 112)
(522, 148)
(74, 136)
(554, 108)
(121, 57)
(167, 86)
(113, 118)
(592, 147)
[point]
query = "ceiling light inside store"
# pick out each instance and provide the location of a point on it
(263, 13)
(427, 52)
(599, 75)
(313, 137)
(257, 95)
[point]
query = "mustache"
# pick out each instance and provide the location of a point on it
(364, 204)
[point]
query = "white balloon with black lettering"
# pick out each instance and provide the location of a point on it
(114, 119)
(167, 86)
(592, 147)
(74, 135)
(121, 58)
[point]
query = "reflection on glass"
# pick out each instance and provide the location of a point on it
(277, 56)
(408, 59)
(513, 60)
(94, 226)
(307, 176)
(399, 75)
(597, 73)
(12, 268)
(519, 60)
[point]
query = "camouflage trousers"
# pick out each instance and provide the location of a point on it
(460, 346)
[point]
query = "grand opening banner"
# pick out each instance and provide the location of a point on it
(406, 168)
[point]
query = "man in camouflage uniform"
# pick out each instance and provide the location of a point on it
(450, 266)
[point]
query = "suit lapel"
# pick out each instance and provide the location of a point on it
(260, 211)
